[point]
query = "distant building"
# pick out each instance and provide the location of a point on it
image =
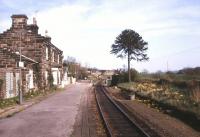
(39, 56)
(107, 77)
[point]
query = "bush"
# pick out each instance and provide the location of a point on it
(180, 84)
(195, 94)
(1, 84)
(50, 79)
(8, 102)
(115, 79)
(123, 77)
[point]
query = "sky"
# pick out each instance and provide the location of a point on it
(86, 29)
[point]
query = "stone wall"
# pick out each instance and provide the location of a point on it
(25, 37)
(6, 59)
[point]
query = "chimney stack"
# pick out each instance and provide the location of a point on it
(34, 21)
(46, 33)
(19, 21)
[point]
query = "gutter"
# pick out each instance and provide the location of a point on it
(26, 57)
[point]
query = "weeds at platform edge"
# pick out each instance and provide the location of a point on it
(4, 103)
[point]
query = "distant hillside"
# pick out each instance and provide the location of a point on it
(190, 71)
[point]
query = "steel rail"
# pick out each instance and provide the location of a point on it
(108, 128)
(110, 133)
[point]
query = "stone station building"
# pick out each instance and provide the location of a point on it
(39, 59)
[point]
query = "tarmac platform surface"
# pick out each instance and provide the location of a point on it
(52, 117)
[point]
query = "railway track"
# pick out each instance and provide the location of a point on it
(117, 121)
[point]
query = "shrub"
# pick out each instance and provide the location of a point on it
(123, 77)
(163, 81)
(1, 84)
(195, 94)
(8, 102)
(180, 84)
(50, 80)
(115, 80)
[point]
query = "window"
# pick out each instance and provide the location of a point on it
(9, 85)
(52, 55)
(47, 53)
(58, 59)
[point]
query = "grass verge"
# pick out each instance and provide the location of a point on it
(4, 103)
(168, 101)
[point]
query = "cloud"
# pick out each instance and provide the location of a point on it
(4, 24)
(86, 29)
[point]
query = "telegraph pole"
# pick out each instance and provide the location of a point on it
(20, 73)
